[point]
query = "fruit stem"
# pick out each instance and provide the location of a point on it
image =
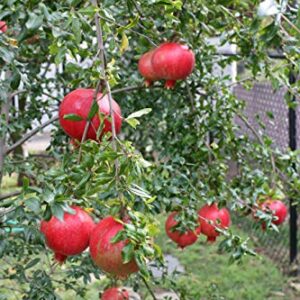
(148, 82)
(170, 84)
(211, 239)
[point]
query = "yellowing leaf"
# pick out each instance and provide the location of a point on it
(13, 42)
(124, 43)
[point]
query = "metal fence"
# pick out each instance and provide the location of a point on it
(261, 103)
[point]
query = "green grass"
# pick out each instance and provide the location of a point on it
(209, 273)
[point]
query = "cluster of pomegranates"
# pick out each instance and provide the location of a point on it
(169, 61)
(76, 232)
(210, 218)
(3, 26)
(277, 208)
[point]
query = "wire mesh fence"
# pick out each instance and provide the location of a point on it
(268, 112)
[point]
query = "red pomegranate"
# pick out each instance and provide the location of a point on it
(278, 209)
(70, 236)
(3, 26)
(79, 102)
(173, 61)
(219, 217)
(115, 293)
(107, 255)
(183, 239)
(145, 68)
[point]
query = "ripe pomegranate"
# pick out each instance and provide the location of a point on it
(70, 236)
(115, 293)
(108, 255)
(3, 26)
(79, 102)
(219, 217)
(183, 239)
(173, 61)
(278, 209)
(145, 68)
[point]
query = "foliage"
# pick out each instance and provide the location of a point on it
(187, 136)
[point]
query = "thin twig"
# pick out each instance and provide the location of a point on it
(16, 93)
(9, 195)
(149, 288)
(128, 89)
(30, 134)
(109, 96)
(291, 23)
(190, 96)
(51, 96)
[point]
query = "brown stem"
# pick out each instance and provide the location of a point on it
(4, 110)
(149, 288)
(30, 134)
(190, 96)
(291, 23)
(9, 195)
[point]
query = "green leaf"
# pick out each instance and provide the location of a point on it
(57, 211)
(118, 237)
(133, 122)
(139, 113)
(76, 28)
(128, 253)
(47, 214)
(94, 109)
(6, 54)
(73, 117)
(34, 21)
(135, 189)
(26, 182)
(33, 204)
(32, 263)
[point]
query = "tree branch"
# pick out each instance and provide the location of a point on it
(30, 134)
(9, 195)
(149, 288)
(4, 110)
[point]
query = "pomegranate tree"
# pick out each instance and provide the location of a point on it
(115, 293)
(173, 61)
(78, 103)
(278, 209)
(146, 69)
(182, 239)
(69, 236)
(107, 255)
(3, 26)
(210, 218)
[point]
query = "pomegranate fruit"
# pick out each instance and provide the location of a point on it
(146, 69)
(79, 102)
(115, 293)
(3, 26)
(107, 255)
(219, 217)
(70, 236)
(278, 209)
(172, 61)
(182, 239)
